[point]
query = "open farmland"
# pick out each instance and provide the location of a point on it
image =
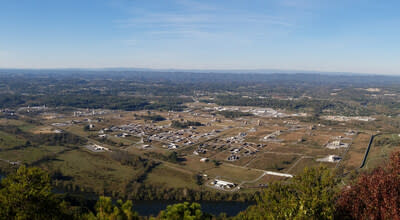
(241, 150)
(168, 144)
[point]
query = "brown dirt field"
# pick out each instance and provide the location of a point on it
(236, 174)
(264, 180)
(43, 130)
(273, 162)
(292, 136)
(309, 162)
(193, 163)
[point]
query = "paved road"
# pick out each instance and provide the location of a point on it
(367, 150)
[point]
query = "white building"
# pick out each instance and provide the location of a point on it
(330, 159)
(172, 146)
(223, 184)
(205, 159)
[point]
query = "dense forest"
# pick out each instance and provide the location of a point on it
(138, 90)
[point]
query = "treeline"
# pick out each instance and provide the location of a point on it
(136, 190)
(52, 139)
(313, 194)
(127, 90)
(93, 100)
(127, 103)
(304, 104)
(172, 157)
(150, 117)
(234, 114)
(185, 124)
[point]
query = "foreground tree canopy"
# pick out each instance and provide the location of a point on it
(375, 195)
(105, 210)
(314, 194)
(309, 196)
(185, 211)
(27, 195)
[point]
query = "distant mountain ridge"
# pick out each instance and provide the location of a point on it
(232, 71)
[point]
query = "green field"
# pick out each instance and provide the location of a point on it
(94, 171)
(381, 150)
(8, 141)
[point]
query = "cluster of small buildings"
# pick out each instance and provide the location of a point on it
(11, 162)
(345, 118)
(172, 146)
(33, 108)
(134, 129)
(248, 149)
(263, 112)
(8, 113)
(89, 113)
(185, 137)
(336, 144)
(200, 150)
(233, 157)
(86, 120)
(123, 135)
(236, 139)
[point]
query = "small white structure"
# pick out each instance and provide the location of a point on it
(235, 151)
(233, 157)
(350, 132)
(172, 146)
(223, 184)
(122, 135)
(336, 144)
(330, 159)
(273, 136)
(279, 174)
(146, 146)
(97, 148)
(58, 131)
(205, 159)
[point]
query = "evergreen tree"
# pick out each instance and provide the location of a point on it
(27, 195)
(184, 211)
(105, 210)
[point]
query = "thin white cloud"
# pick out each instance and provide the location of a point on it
(200, 19)
(200, 24)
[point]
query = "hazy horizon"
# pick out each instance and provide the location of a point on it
(211, 71)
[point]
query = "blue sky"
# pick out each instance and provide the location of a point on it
(322, 35)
